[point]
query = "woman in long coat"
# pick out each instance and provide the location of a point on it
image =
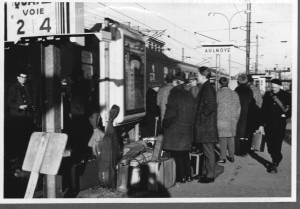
(178, 129)
(229, 109)
(246, 99)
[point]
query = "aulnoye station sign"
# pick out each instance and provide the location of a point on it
(217, 48)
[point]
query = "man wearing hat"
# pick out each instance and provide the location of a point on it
(276, 108)
(152, 109)
(194, 86)
(178, 127)
(163, 94)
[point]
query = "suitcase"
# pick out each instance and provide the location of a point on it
(85, 175)
(240, 146)
(258, 142)
(161, 174)
(196, 160)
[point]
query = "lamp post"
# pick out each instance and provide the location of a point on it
(229, 30)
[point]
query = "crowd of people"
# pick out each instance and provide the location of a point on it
(189, 113)
(192, 113)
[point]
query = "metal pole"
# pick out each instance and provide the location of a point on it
(182, 54)
(248, 38)
(229, 56)
(256, 60)
(216, 71)
(51, 111)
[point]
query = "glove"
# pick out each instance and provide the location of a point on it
(261, 130)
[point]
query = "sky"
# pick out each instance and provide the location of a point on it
(271, 22)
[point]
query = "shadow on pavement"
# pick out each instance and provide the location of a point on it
(288, 137)
(141, 190)
(260, 159)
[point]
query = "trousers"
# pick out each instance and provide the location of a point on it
(274, 137)
(226, 143)
(183, 164)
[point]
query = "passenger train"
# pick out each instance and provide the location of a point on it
(126, 61)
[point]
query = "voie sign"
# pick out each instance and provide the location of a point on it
(217, 48)
(26, 19)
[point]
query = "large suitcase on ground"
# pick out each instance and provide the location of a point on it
(85, 175)
(161, 174)
(240, 146)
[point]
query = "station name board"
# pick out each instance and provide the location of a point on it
(217, 48)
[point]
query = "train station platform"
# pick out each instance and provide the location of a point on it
(246, 177)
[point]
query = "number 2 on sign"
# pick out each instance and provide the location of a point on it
(45, 26)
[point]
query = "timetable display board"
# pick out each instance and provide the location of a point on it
(27, 19)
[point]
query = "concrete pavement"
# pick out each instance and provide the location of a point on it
(246, 177)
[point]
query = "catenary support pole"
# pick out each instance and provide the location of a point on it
(51, 118)
(248, 38)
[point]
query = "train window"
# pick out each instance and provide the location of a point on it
(134, 76)
(166, 71)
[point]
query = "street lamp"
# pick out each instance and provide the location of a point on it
(229, 29)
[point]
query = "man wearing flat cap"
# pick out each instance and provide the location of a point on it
(276, 108)
(152, 109)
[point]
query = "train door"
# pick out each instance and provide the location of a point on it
(126, 76)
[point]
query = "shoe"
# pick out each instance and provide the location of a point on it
(231, 159)
(273, 170)
(206, 180)
(189, 179)
(222, 161)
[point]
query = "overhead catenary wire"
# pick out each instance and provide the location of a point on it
(168, 36)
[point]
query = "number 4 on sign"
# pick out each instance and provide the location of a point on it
(46, 22)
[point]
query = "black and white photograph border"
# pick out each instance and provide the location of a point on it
(263, 187)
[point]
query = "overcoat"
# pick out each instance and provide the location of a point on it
(162, 98)
(246, 99)
(152, 111)
(272, 112)
(229, 109)
(15, 99)
(205, 125)
(254, 112)
(178, 120)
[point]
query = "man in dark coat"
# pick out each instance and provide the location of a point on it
(254, 113)
(152, 109)
(205, 125)
(246, 99)
(20, 105)
(276, 108)
(178, 128)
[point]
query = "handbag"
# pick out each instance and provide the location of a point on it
(258, 142)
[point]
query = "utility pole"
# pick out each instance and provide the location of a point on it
(182, 54)
(256, 61)
(248, 38)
